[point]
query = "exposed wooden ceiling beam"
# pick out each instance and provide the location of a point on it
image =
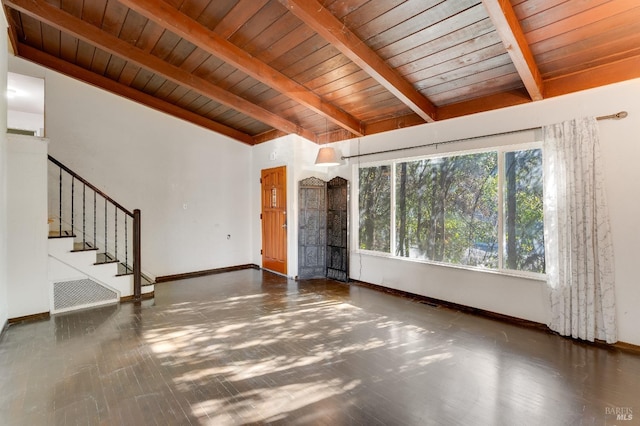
(508, 27)
(13, 36)
(335, 32)
(177, 22)
(82, 30)
(484, 103)
(112, 86)
(622, 70)
(395, 123)
(268, 135)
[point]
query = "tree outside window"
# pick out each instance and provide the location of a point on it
(375, 208)
(447, 210)
(524, 224)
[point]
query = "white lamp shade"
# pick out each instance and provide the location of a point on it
(327, 157)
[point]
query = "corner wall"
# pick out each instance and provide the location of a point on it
(509, 295)
(191, 185)
(298, 155)
(27, 284)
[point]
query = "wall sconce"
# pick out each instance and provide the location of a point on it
(327, 157)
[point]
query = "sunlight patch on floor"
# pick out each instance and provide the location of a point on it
(235, 350)
(268, 404)
(430, 359)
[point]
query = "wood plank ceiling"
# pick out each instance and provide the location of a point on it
(330, 70)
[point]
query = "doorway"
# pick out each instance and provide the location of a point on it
(274, 219)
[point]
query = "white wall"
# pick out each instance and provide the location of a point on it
(519, 297)
(148, 160)
(298, 155)
(28, 287)
(4, 306)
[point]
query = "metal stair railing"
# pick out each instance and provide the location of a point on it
(110, 225)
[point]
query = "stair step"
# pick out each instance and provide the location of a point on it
(63, 234)
(124, 269)
(147, 281)
(128, 270)
(102, 258)
(83, 247)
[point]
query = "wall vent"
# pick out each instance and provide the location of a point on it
(78, 294)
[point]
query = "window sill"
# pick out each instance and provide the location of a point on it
(533, 276)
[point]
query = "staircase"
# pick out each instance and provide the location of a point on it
(94, 245)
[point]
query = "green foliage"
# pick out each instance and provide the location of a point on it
(450, 206)
(375, 208)
(447, 210)
(527, 230)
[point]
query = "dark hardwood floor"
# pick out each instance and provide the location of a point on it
(251, 347)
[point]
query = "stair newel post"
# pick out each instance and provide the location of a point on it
(73, 215)
(60, 201)
(84, 216)
(115, 232)
(137, 266)
(126, 241)
(106, 240)
(95, 221)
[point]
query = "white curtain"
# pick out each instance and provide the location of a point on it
(578, 242)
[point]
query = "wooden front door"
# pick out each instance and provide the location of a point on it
(274, 219)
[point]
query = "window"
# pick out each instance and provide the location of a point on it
(448, 209)
(524, 226)
(375, 208)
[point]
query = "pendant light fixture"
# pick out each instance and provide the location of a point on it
(327, 156)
